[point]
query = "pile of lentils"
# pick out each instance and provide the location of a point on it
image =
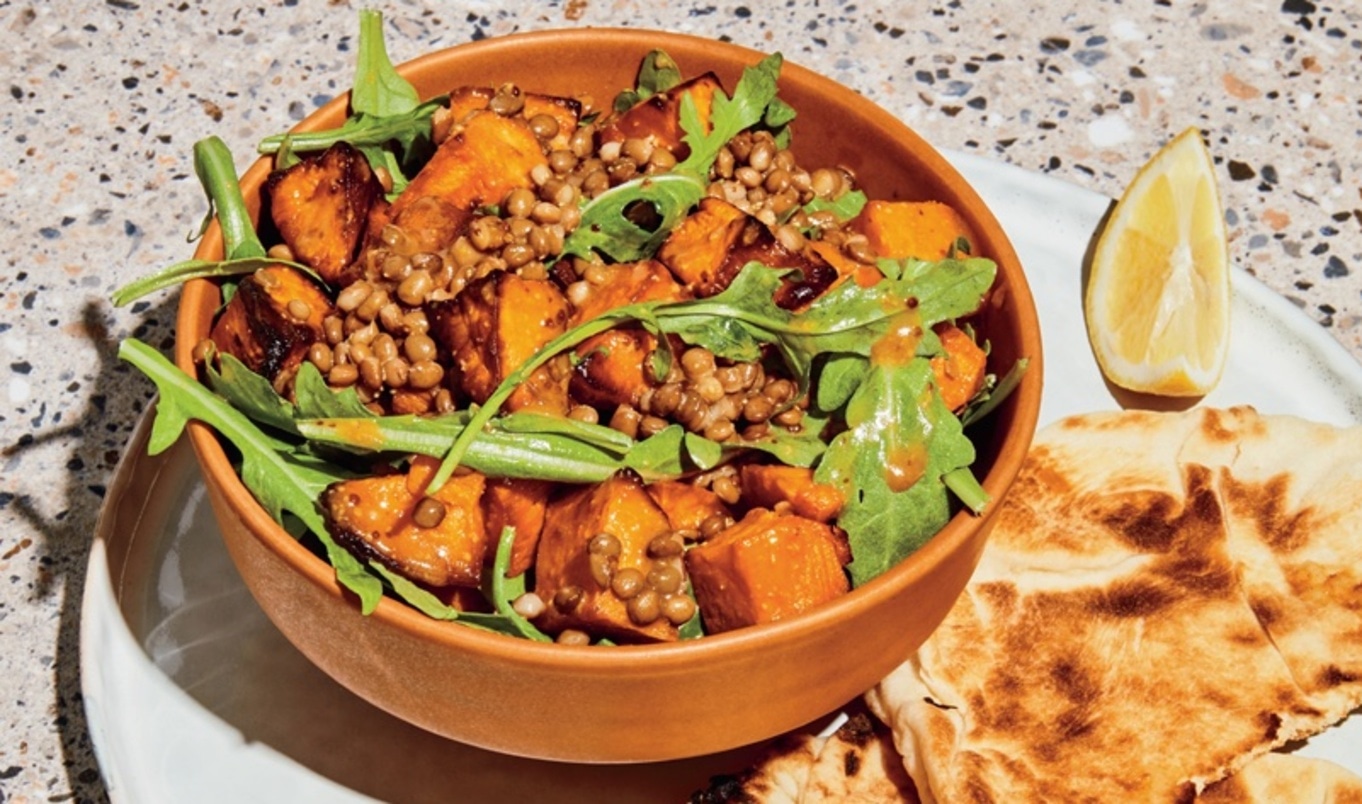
(377, 340)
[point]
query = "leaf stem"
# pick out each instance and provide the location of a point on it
(214, 166)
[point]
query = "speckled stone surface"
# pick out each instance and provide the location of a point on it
(104, 100)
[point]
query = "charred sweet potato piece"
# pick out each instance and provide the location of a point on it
(711, 246)
(847, 268)
(612, 368)
(275, 315)
(766, 485)
(927, 230)
(516, 503)
(697, 250)
(566, 112)
(374, 517)
(321, 207)
(575, 582)
(628, 283)
(686, 505)
(766, 567)
(658, 118)
(960, 371)
(483, 159)
(494, 325)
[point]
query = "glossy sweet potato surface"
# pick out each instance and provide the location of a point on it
(766, 567)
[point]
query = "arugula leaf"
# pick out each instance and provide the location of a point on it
(242, 249)
(658, 73)
(503, 590)
(280, 480)
(313, 398)
(553, 454)
(846, 206)
(729, 116)
(901, 439)
(250, 393)
(606, 228)
(378, 89)
(387, 121)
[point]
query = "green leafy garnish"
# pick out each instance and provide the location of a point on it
(658, 73)
(388, 123)
(607, 228)
(280, 478)
(243, 251)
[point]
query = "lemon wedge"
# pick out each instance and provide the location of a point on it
(1158, 296)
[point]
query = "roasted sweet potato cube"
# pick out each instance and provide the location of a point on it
(565, 112)
(686, 505)
(847, 268)
(494, 325)
(766, 567)
(483, 159)
(658, 118)
(628, 283)
(564, 573)
(959, 372)
(373, 517)
(518, 503)
(321, 207)
(696, 251)
(275, 315)
(766, 485)
(612, 368)
(713, 244)
(927, 230)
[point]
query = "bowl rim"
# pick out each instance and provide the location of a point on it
(199, 297)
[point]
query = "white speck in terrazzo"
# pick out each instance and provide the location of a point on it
(1108, 131)
(1126, 31)
(19, 390)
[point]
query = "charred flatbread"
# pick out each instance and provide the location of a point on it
(1165, 596)
(857, 762)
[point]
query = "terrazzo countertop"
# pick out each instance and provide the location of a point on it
(105, 99)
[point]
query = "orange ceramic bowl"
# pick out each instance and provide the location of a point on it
(649, 702)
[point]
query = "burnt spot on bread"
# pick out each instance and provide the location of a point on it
(1265, 505)
(1131, 597)
(1215, 429)
(1335, 676)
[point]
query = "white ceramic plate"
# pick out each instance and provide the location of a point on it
(192, 695)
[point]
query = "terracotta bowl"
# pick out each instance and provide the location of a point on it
(655, 702)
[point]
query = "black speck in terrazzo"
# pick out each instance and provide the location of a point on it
(1054, 44)
(1319, 248)
(1335, 268)
(12, 770)
(15, 92)
(1240, 171)
(925, 76)
(702, 11)
(130, 82)
(21, 367)
(742, 12)
(125, 5)
(1298, 7)
(1269, 174)
(978, 102)
(50, 232)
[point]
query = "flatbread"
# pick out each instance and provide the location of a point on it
(857, 762)
(1277, 778)
(1165, 596)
